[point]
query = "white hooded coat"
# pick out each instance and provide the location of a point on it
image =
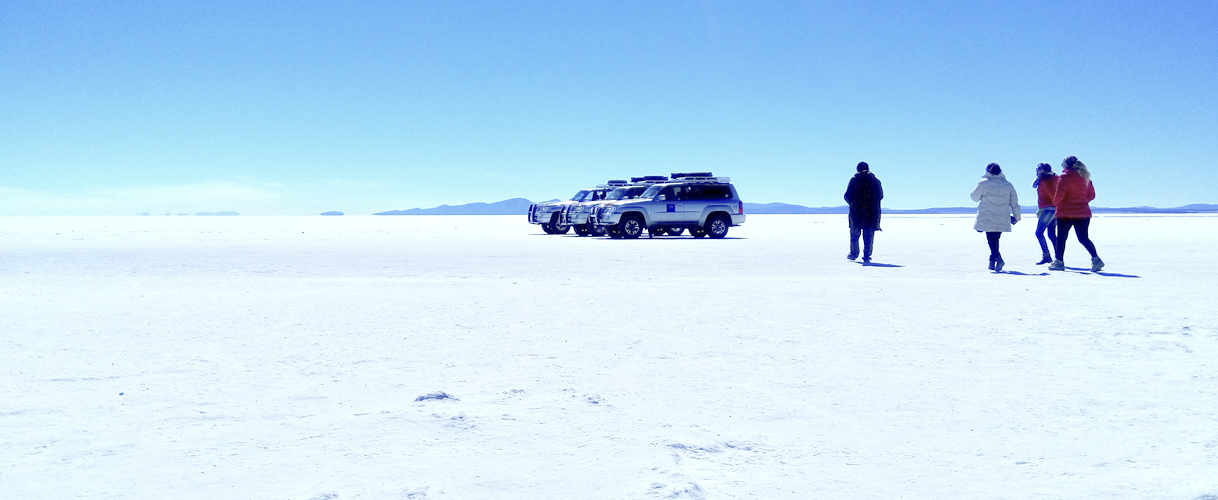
(998, 203)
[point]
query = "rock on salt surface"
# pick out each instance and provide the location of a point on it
(251, 360)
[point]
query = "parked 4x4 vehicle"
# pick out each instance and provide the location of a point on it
(699, 202)
(550, 216)
(578, 215)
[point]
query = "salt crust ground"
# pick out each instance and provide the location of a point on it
(280, 358)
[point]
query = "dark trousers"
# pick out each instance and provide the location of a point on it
(1046, 221)
(991, 237)
(1080, 228)
(868, 239)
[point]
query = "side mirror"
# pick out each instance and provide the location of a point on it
(661, 198)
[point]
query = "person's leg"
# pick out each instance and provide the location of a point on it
(1084, 237)
(854, 243)
(1053, 229)
(992, 237)
(1081, 229)
(868, 241)
(1040, 234)
(1042, 223)
(1063, 233)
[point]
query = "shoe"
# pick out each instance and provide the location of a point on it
(1045, 259)
(991, 263)
(852, 256)
(998, 265)
(1057, 265)
(1096, 264)
(866, 260)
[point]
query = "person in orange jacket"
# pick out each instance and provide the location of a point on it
(1074, 192)
(1045, 213)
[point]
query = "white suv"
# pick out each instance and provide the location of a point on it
(550, 216)
(700, 202)
(578, 215)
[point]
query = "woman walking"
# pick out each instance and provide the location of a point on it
(1045, 184)
(1072, 198)
(997, 210)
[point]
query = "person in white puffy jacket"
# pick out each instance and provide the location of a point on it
(997, 210)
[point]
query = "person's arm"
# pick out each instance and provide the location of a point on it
(979, 192)
(1015, 215)
(1059, 190)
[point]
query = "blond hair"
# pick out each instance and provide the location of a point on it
(1082, 170)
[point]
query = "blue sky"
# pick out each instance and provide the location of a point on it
(113, 108)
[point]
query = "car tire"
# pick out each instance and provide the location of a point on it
(558, 227)
(697, 232)
(581, 229)
(675, 231)
(717, 226)
(595, 230)
(656, 231)
(613, 232)
(549, 229)
(631, 226)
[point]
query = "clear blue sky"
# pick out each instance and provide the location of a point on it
(299, 107)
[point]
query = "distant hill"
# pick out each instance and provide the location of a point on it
(520, 206)
(514, 206)
(787, 208)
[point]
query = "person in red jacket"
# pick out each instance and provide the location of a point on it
(1045, 182)
(1073, 193)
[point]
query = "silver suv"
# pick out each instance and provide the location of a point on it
(700, 202)
(578, 215)
(549, 214)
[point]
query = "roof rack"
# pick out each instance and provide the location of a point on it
(648, 178)
(699, 177)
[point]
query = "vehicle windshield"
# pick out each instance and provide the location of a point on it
(652, 191)
(581, 195)
(625, 193)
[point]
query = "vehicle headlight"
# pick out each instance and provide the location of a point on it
(608, 210)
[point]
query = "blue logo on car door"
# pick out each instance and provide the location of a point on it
(672, 207)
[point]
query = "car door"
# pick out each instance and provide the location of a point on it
(695, 198)
(667, 205)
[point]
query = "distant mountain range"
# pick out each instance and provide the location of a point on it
(514, 206)
(520, 206)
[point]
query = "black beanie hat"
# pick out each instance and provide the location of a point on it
(863, 166)
(993, 169)
(1069, 162)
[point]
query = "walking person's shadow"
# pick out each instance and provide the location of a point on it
(877, 264)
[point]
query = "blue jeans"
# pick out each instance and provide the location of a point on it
(868, 239)
(1045, 219)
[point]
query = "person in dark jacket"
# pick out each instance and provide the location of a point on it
(1045, 184)
(863, 194)
(1072, 197)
